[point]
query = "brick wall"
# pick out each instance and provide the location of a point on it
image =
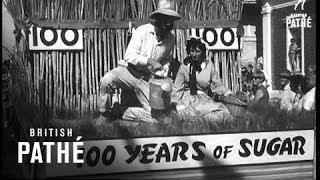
(278, 38)
(278, 31)
(310, 45)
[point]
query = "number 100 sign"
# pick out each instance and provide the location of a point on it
(46, 38)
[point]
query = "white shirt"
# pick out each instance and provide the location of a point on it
(288, 99)
(291, 101)
(144, 45)
(308, 100)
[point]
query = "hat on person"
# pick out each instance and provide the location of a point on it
(285, 74)
(166, 7)
(312, 69)
(258, 74)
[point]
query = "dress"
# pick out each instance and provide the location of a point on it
(260, 103)
(200, 104)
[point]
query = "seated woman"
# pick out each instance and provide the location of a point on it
(195, 82)
(260, 98)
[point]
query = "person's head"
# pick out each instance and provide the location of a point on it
(258, 78)
(196, 49)
(163, 24)
(312, 75)
(250, 68)
(259, 67)
(164, 17)
(244, 71)
(285, 77)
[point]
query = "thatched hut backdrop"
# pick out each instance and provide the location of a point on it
(68, 81)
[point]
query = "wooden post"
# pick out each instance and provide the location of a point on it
(68, 85)
(76, 93)
(86, 72)
(60, 82)
(178, 42)
(82, 82)
(108, 49)
(71, 96)
(50, 82)
(45, 65)
(54, 79)
(35, 56)
(175, 46)
(238, 59)
(123, 42)
(105, 52)
(90, 66)
(118, 43)
(100, 34)
(64, 61)
(96, 67)
(113, 54)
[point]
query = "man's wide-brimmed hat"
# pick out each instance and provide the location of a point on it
(166, 7)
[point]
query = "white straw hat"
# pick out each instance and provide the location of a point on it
(166, 7)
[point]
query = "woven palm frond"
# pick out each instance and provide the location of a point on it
(120, 9)
(20, 12)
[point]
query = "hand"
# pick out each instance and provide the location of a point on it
(153, 65)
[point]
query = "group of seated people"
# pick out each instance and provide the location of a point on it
(298, 92)
(197, 84)
(194, 86)
(247, 76)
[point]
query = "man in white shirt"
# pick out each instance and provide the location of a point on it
(295, 102)
(150, 50)
(289, 99)
(308, 100)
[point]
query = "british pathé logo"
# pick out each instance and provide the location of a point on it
(297, 20)
(300, 2)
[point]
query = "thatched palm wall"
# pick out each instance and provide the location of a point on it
(71, 78)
